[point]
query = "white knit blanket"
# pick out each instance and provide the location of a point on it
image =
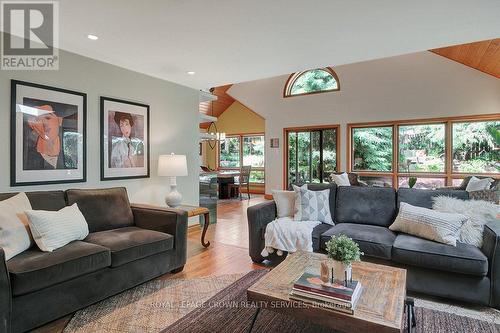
(285, 234)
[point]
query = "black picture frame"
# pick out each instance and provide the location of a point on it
(16, 174)
(105, 142)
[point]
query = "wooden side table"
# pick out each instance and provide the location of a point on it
(197, 211)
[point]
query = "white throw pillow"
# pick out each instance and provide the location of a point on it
(285, 203)
(52, 230)
(15, 236)
(429, 224)
(476, 184)
(342, 179)
(312, 205)
(478, 213)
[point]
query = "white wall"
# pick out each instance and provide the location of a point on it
(173, 118)
(418, 85)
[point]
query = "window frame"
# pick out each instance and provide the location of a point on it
(286, 130)
(295, 76)
(240, 137)
(448, 175)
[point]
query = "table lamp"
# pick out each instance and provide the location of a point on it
(172, 166)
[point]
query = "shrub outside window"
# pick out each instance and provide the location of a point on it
(372, 149)
(476, 147)
(422, 148)
(229, 156)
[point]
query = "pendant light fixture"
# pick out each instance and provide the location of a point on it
(216, 136)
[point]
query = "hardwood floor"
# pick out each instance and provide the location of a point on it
(227, 253)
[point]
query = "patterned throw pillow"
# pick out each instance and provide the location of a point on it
(312, 205)
(428, 224)
(485, 195)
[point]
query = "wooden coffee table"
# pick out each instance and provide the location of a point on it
(381, 306)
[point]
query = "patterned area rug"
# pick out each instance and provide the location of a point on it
(222, 316)
(150, 307)
(218, 304)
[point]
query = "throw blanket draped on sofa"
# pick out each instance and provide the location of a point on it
(285, 234)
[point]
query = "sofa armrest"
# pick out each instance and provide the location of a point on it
(258, 218)
(5, 295)
(491, 248)
(168, 220)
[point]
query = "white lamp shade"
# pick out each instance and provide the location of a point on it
(172, 165)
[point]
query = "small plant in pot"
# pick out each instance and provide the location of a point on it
(412, 181)
(342, 251)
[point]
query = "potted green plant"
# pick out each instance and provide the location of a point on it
(412, 181)
(342, 251)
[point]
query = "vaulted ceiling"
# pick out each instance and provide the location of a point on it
(230, 41)
(216, 108)
(483, 56)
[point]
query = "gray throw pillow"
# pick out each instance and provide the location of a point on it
(428, 224)
(312, 205)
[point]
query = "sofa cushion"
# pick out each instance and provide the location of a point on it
(365, 205)
(423, 198)
(42, 200)
(373, 240)
(131, 243)
(463, 259)
(319, 230)
(34, 270)
(104, 209)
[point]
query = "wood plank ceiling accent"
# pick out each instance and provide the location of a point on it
(483, 56)
(219, 106)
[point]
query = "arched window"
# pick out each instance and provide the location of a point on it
(312, 81)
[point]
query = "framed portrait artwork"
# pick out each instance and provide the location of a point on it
(48, 135)
(124, 139)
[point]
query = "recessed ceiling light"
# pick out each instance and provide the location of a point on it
(191, 73)
(92, 37)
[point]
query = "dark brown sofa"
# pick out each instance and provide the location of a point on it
(127, 245)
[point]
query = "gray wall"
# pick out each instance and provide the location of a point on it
(173, 118)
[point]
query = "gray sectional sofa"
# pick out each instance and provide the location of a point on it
(464, 273)
(127, 245)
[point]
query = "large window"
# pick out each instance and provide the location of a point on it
(229, 156)
(253, 154)
(311, 82)
(372, 148)
(311, 154)
(243, 150)
(422, 148)
(439, 152)
(476, 147)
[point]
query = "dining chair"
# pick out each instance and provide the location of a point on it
(243, 180)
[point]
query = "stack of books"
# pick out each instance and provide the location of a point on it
(310, 289)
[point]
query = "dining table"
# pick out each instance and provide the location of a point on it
(224, 178)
